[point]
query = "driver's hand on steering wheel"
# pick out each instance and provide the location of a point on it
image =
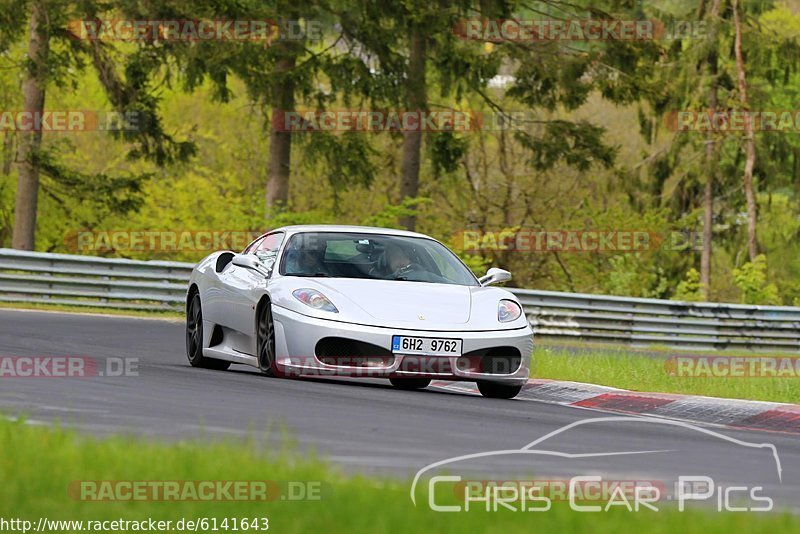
(403, 271)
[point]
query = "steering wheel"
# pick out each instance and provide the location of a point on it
(402, 271)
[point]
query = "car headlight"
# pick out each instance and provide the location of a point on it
(508, 311)
(314, 299)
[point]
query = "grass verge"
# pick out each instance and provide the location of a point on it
(39, 463)
(36, 306)
(649, 372)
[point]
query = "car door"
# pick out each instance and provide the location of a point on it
(242, 291)
(217, 297)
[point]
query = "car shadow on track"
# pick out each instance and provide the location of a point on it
(373, 383)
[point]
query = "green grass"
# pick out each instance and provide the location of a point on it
(36, 306)
(642, 372)
(38, 463)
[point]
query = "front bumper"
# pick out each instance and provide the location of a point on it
(297, 335)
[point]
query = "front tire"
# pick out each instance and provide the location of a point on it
(493, 390)
(194, 338)
(265, 337)
(410, 384)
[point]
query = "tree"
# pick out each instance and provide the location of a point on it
(396, 42)
(288, 70)
(280, 142)
(416, 100)
(703, 74)
(30, 142)
(749, 140)
(54, 54)
(751, 279)
(711, 150)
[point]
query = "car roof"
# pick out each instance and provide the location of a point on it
(299, 228)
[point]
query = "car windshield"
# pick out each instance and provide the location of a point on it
(373, 256)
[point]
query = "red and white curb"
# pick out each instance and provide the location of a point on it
(731, 413)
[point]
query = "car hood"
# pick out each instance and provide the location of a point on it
(418, 303)
(401, 304)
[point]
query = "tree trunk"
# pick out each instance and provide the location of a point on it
(24, 234)
(8, 152)
(416, 100)
(708, 208)
(750, 143)
(711, 168)
(280, 141)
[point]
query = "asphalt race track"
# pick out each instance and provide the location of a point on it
(363, 426)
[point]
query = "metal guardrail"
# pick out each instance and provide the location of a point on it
(89, 281)
(161, 285)
(647, 322)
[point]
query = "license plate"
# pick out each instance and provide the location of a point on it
(432, 346)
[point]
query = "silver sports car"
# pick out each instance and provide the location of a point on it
(357, 301)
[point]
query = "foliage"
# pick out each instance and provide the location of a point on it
(689, 289)
(633, 277)
(751, 279)
(387, 217)
(582, 145)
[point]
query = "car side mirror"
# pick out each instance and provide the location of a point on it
(494, 276)
(248, 261)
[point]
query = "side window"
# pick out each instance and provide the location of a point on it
(252, 246)
(267, 248)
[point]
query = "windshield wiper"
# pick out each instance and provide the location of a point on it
(308, 275)
(405, 279)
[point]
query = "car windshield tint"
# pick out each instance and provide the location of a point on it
(374, 256)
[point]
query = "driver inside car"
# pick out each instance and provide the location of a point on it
(398, 261)
(305, 262)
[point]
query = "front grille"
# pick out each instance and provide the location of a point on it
(345, 352)
(491, 361)
(426, 365)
